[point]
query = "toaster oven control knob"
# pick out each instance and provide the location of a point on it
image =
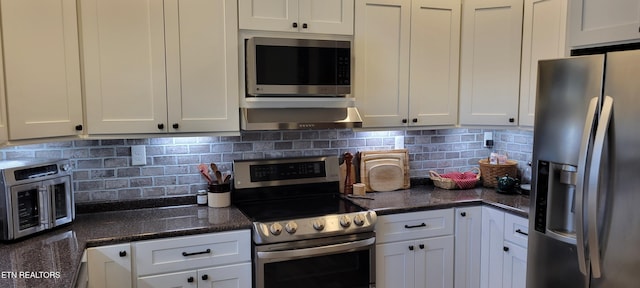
(358, 219)
(291, 227)
(345, 221)
(275, 229)
(318, 225)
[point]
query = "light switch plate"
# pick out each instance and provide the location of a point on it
(488, 140)
(138, 155)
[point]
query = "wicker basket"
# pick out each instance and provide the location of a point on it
(449, 184)
(490, 172)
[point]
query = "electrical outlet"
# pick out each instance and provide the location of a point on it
(488, 140)
(399, 142)
(138, 155)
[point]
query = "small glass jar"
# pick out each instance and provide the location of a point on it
(201, 197)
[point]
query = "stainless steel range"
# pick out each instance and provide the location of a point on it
(304, 233)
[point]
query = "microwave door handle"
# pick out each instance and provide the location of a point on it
(44, 206)
(580, 183)
(594, 178)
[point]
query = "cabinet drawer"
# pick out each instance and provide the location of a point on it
(414, 225)
(192, 252)
(516, 229)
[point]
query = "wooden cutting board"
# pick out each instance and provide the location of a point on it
(369, 159)
(385, 177)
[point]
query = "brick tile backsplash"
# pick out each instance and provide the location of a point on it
(103, 170)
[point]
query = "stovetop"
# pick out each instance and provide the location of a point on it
(304, 207)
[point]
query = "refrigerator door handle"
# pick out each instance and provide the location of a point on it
(594, 177)
(580, 185)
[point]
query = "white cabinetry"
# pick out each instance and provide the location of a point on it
(310, 16)
(195, 261)
(543, 37)
(109, 266)
(160, 66)
(408, 57)
(415, 250)
(490, 62)
(597, 22)
(467, 247)
(42, 69)
(504, 249)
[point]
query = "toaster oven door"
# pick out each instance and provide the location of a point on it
(62, 204)
(30, 209)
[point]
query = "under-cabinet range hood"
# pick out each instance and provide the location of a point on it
(299, 118)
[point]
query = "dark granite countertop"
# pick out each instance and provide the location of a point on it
(60, 250)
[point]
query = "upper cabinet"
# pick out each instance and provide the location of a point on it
(407, 57)
(596, 22)
(309, 16)
(160, 66)
(490, 62)
(42, 69)
(543, 37)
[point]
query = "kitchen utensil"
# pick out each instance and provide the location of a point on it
(360, 197)
(369, 159)
(217, 174)
(343, 174)
(205, 172)
(386, 177)
(507, 184)
(348, 182)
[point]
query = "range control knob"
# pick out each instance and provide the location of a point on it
(359, 219)
(291, 227)
(275, 229)
(344, 221)
(318, 225)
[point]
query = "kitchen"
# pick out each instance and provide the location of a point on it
(103, 171)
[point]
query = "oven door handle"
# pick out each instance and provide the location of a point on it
(315, 251)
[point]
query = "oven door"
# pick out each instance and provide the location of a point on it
(335, 262)
(62, 204)
(30, 209)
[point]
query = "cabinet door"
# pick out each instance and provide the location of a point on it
(232, 276)
(269, 15)
(42, 68)
(435, 59)
(515, 266)
(382, 69)
(491, 260)
(186, 279)
(543, 37)
(395, 265)
(202, 65)
(326, 16)
(490, 62)
(595, 21)
(467, 247)
(109, 266)
(124, 66)
(434, 262)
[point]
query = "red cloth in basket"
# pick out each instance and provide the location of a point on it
(464, 180)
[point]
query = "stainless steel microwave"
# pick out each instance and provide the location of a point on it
(36, 195)
(297, 67)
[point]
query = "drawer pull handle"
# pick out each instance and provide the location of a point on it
(415, 226)
(185, 254)
(522, 232)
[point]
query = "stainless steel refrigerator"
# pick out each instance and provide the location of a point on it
(585, 200)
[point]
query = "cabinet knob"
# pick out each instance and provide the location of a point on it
(411, 247)
(175, 125)
(79, 127)
(421, 246)
(205, 277)
(463, 214)
(414, 120)
(190, 279)
(511, 120)
(161, 126)
(304, 26)
(404, 121)
(295, 25)
(122, 253)
(505, 249)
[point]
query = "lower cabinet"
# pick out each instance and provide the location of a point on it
(109, 266)
(415, 250)
(467, 247)
(504, 249)
(220, 259)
